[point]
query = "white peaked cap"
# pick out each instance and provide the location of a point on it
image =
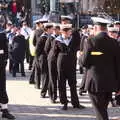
(99, 20)
(64, 26)
(57, 24)
(37, 21)
(41, 20)
(48, 24)
(117, 22)
(90, 26)
(113, 29)
(66, 17)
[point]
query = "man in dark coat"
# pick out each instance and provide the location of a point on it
(3, 62)
(101, 59)
(18, 53)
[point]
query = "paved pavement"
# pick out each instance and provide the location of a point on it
(25, 103)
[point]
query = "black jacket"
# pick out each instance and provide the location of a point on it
(41, 45)
(3, 48)
(37, 35)
(67, 54)
(19, 47)
(103, 68)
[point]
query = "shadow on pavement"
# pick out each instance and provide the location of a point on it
(29, 112)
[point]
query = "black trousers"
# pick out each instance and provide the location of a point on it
(15, 65)
(67, 71)
(10, 65)
(82, 85)
(31, 59)
(44, 74)
(32, 76)
(100, 102)
(52, 87)
(27, 53)
(3, 93)
(37, 74)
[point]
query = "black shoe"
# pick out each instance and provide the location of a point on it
(30, 68)
(23, 75)
(31, 82)
(53, 101)
(37, 87)
(78, 106)
(14, 75)
(6, 114)
(42, 95)
(64, 107)
(81, 91)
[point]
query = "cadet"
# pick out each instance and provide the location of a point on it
(66, 66)
(101, 59)
(50, 49)
(41, 56)
(35, 77)
(3, 62)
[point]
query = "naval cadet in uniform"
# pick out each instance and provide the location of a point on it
(52, 63)
(35, 77)
(101, 59)
(66, 66)
(42, 57)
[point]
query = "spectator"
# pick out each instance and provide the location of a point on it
(26, 32)
(18, 54)
(14, 7)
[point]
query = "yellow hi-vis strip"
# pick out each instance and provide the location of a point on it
(96, 53)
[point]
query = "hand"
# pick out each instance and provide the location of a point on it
(5, 62)
(118, 93)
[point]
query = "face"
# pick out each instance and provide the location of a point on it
(96, 29)
(50, 30)
(65, 22)
(57, 31)
(24, 25)
(67, 34)
(117, 26)
(23, 8)
(91, 31)
(113, 35)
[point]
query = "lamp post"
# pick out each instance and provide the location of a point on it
(77, 13)
(54, 10)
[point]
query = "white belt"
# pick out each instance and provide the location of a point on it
(1, 51)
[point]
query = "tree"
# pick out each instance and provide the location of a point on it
(45, 6)
(112, 6)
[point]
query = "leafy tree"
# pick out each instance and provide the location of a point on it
(112, 6)
(45, 6)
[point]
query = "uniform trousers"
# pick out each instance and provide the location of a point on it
(100, 102)
(44, 73)
(15, 67)
(37, 74)
(67, 71)
(3, 93)
(52, 67)
(32, 76)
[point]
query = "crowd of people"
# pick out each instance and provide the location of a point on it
(13, 11)
(51, 50)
